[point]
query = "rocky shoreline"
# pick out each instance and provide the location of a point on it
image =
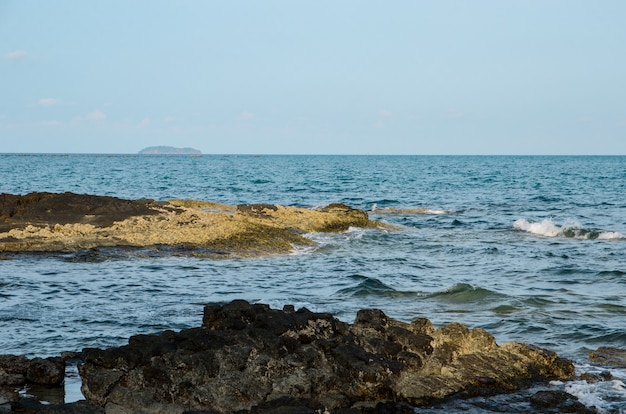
(68, 222)
(249, 358)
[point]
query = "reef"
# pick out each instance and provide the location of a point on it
(68, 222)
(250, 358)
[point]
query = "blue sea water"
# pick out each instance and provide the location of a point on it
(530, 248)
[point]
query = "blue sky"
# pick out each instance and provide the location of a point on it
(323, 77)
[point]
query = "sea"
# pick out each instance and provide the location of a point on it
(529, 248)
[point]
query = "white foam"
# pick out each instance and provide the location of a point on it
(548, 228)
(611, 235)
(543, 228)
(605, 396)
(437, 211)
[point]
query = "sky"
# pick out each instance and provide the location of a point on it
(314, 77)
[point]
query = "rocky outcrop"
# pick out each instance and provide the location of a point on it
(250, 358)
(19, 370)
(72, 222)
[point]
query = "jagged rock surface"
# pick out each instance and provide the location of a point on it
(48, 222)
(249, 357)
(19, 370)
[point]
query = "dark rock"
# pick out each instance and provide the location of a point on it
(32, 406)
(13, 369)
(558, 402)
(49, 371)
(19, 370)
(48, 209)
(251, 358)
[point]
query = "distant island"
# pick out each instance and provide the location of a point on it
(160, 150)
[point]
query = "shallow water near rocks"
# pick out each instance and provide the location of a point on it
(529, 248)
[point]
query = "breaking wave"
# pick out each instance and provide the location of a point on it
(548, 228)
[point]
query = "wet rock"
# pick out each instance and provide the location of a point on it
(32, 406)
(49, 371)
(609, 356)
(558, 402)
(251, 358)
(19, 370)
(7, 396)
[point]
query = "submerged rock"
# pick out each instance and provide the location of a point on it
(609, 356)
(251, 358)
(48, 222)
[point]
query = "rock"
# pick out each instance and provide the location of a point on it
(31, 406)
(39, 209)
(558, 402)
(609, 356)
(83, 223)
(251, 358)
(7, 396)
(13, 369)
(19, 370)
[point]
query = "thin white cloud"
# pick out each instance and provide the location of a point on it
(454, 114)
(586, 119)
(385, 113)
(379, 124)
(53, 123)
(48, 101)
(169, 119)
(16, 55)
(96, 115)
(144, 123)
(246, 116)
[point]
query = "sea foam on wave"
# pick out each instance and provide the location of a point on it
(548, 228)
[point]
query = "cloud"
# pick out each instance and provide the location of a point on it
(52, 123)
(48, 101)
(379, 124)
(144, 123)
(169, 119)
(246, 116)
(454, 114)
(586, 119)
(385, 113)
(16, 56)
(96, 115)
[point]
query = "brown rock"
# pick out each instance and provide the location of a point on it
(609, 356)
(49, 371)
(19, 370)
(253, 358)
(71, 222)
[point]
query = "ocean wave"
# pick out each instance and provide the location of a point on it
(464, 292)
(605, 396)
(370, 286)
(548, 228)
